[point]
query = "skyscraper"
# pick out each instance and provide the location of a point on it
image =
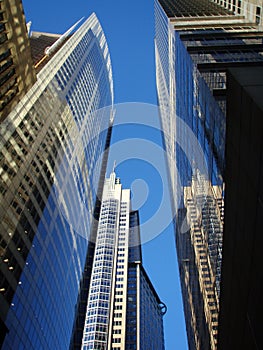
(52, 167)
(123, 310)
(17, 73)
(196, 43)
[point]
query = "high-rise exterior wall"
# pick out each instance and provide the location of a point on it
(107, 275)
(51, 144)
(240, 319)
(123, 309)
(251, 9)
(200, 253)
(17, 73)
(196, 42)
(144, 310)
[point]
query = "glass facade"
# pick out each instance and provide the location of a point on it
(196, 42)
(50, 170)
(151, 313)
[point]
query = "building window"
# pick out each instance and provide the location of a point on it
(116, 340)
(118, 307)
(239, 7)
(258, 12)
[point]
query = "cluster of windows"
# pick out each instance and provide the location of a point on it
(252, 11)
(151, 326)
(195, 61)
(207, 253)
(101, 278)
(91, 83)
(202, 114)
(188, 8)
(8, 87)
(35, 209)
(131, 314)
(15, 79)
(121, 261)
(43, 231)
(134, 238)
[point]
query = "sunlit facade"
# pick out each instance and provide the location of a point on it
(51, 166)
(17, 73)
(200, 255)
(195, 43)
(123, 309)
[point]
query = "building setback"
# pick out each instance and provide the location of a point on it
(52, 174)
(196, 43)
(123, 310)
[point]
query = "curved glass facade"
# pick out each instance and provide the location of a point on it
(51, 147)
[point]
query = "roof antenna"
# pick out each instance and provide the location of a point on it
(114, 166)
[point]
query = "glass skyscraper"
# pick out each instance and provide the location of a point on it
(123, 310)
(196, 42)
(51, 167)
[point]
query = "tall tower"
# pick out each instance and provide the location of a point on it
(123, 310)
(17, 73)
(196, 43)
(51, 168)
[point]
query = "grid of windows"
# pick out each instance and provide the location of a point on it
(192, 57)
(205, 219)
(98, 313)
(43, 184)
(119, 315)
(114, 211)
(17, 73)
(191, 8)
(151, 327)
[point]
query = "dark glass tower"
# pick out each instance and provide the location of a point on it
(196, 43)
(51, 172)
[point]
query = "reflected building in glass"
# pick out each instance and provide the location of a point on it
(196, 43)
(124, 310)
(53, 153)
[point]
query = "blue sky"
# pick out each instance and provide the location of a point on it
(129, 29)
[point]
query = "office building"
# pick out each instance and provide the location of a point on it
(196, 43)
(51, 172)
(240, 319)
(123, 310)
(17, 73)
(200, 255)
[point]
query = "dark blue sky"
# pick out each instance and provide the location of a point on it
(129, 30)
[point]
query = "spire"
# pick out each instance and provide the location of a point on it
(52, 48)
(114, 166)
(113, 176)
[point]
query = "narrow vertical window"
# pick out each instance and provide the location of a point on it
(258, 12)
